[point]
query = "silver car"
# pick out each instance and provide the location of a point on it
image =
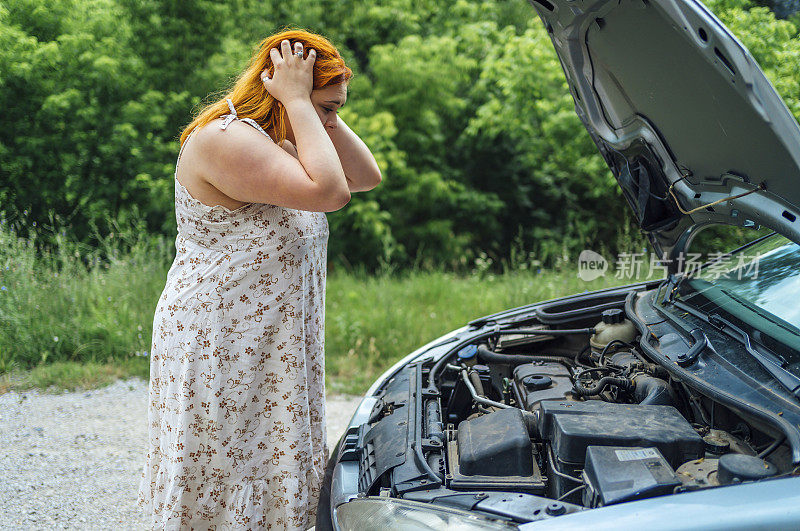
(671, 404)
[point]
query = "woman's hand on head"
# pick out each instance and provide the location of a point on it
(293, 76)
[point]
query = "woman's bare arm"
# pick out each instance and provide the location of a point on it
(245, 166)
(360, 167)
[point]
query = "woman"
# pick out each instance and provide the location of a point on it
(237, 387)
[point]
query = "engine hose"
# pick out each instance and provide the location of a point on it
(650, 391)
(570, 315)
(446, 358)
(547, 331)
(623, 383)
(475, 397)
(476, 381)
(452, 352)
(484, 354)
(771, 448)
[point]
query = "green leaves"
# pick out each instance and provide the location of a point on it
(463, 103)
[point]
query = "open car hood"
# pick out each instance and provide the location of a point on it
(681, 113)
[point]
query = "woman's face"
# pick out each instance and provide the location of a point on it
(327, 102)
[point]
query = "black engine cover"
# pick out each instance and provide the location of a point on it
(496, 444)
(534, 382)
(572, 426)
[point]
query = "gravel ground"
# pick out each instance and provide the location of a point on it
(72, 461)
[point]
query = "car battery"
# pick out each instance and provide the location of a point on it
(615, 474)
(573, 426)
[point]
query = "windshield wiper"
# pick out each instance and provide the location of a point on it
(788, 380)
(700, 343)
(670, 287)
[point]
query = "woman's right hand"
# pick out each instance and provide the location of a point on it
(293, 76)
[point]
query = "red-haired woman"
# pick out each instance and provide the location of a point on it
(237, 387)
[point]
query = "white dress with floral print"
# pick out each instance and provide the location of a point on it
(237, 391)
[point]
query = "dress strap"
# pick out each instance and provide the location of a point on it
(228, 118)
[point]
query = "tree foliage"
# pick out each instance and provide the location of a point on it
(463, 103)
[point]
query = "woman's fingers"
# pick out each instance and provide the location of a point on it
(275, 55)
(283, 55)
(292, 75)
(285, 49)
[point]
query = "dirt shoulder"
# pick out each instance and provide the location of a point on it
(72, 460)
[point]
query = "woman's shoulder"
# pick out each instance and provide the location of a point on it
(237, 137)
(205, 153)
(216, 130)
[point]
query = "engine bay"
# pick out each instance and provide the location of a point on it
(561, 412)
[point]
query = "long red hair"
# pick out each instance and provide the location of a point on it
(250, 97)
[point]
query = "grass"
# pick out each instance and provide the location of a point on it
(73, 318)
(63, 376)
(371, 322)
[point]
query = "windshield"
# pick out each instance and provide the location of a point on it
(759, 286)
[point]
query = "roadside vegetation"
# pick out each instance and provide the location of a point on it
(492, 186)
(463, 102)
(77, 318)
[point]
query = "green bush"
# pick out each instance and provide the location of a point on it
(463, 103)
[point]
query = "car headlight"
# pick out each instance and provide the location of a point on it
(365, 514)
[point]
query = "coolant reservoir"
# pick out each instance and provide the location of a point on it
(613, 326)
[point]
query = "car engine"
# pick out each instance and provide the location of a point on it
(562, 412)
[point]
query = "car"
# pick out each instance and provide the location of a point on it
(671, 403)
